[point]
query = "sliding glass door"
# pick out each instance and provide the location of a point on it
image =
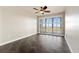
(42, 25)
(51, 25)
(57, 25)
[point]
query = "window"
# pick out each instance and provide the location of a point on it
(56, 23)
(51, 25)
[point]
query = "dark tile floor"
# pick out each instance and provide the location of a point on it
(37, 44)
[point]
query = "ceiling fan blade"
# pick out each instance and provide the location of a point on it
(35, 8)
(47, 11)
(45, 7)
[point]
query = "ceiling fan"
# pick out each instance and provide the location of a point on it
(42, 10)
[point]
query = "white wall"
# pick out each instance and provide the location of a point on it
(72, 28)
(16, 24)
(0, 26)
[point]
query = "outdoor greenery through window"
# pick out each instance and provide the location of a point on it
(51, 24)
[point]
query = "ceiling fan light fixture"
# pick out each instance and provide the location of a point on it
(41, 12)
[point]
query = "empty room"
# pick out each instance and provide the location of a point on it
(39, 29)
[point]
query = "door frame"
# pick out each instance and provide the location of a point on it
(62, 14)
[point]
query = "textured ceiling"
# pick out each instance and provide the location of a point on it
(30, 10)
(53, 9)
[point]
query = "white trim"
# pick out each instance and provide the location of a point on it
(16, 39)
(68, 44)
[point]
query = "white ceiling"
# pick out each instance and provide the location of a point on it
(31, 11)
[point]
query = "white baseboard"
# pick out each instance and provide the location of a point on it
(68, 44)
(16, 39)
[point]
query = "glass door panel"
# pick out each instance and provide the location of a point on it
(51, 26)
(42, 25)
(56, 25)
